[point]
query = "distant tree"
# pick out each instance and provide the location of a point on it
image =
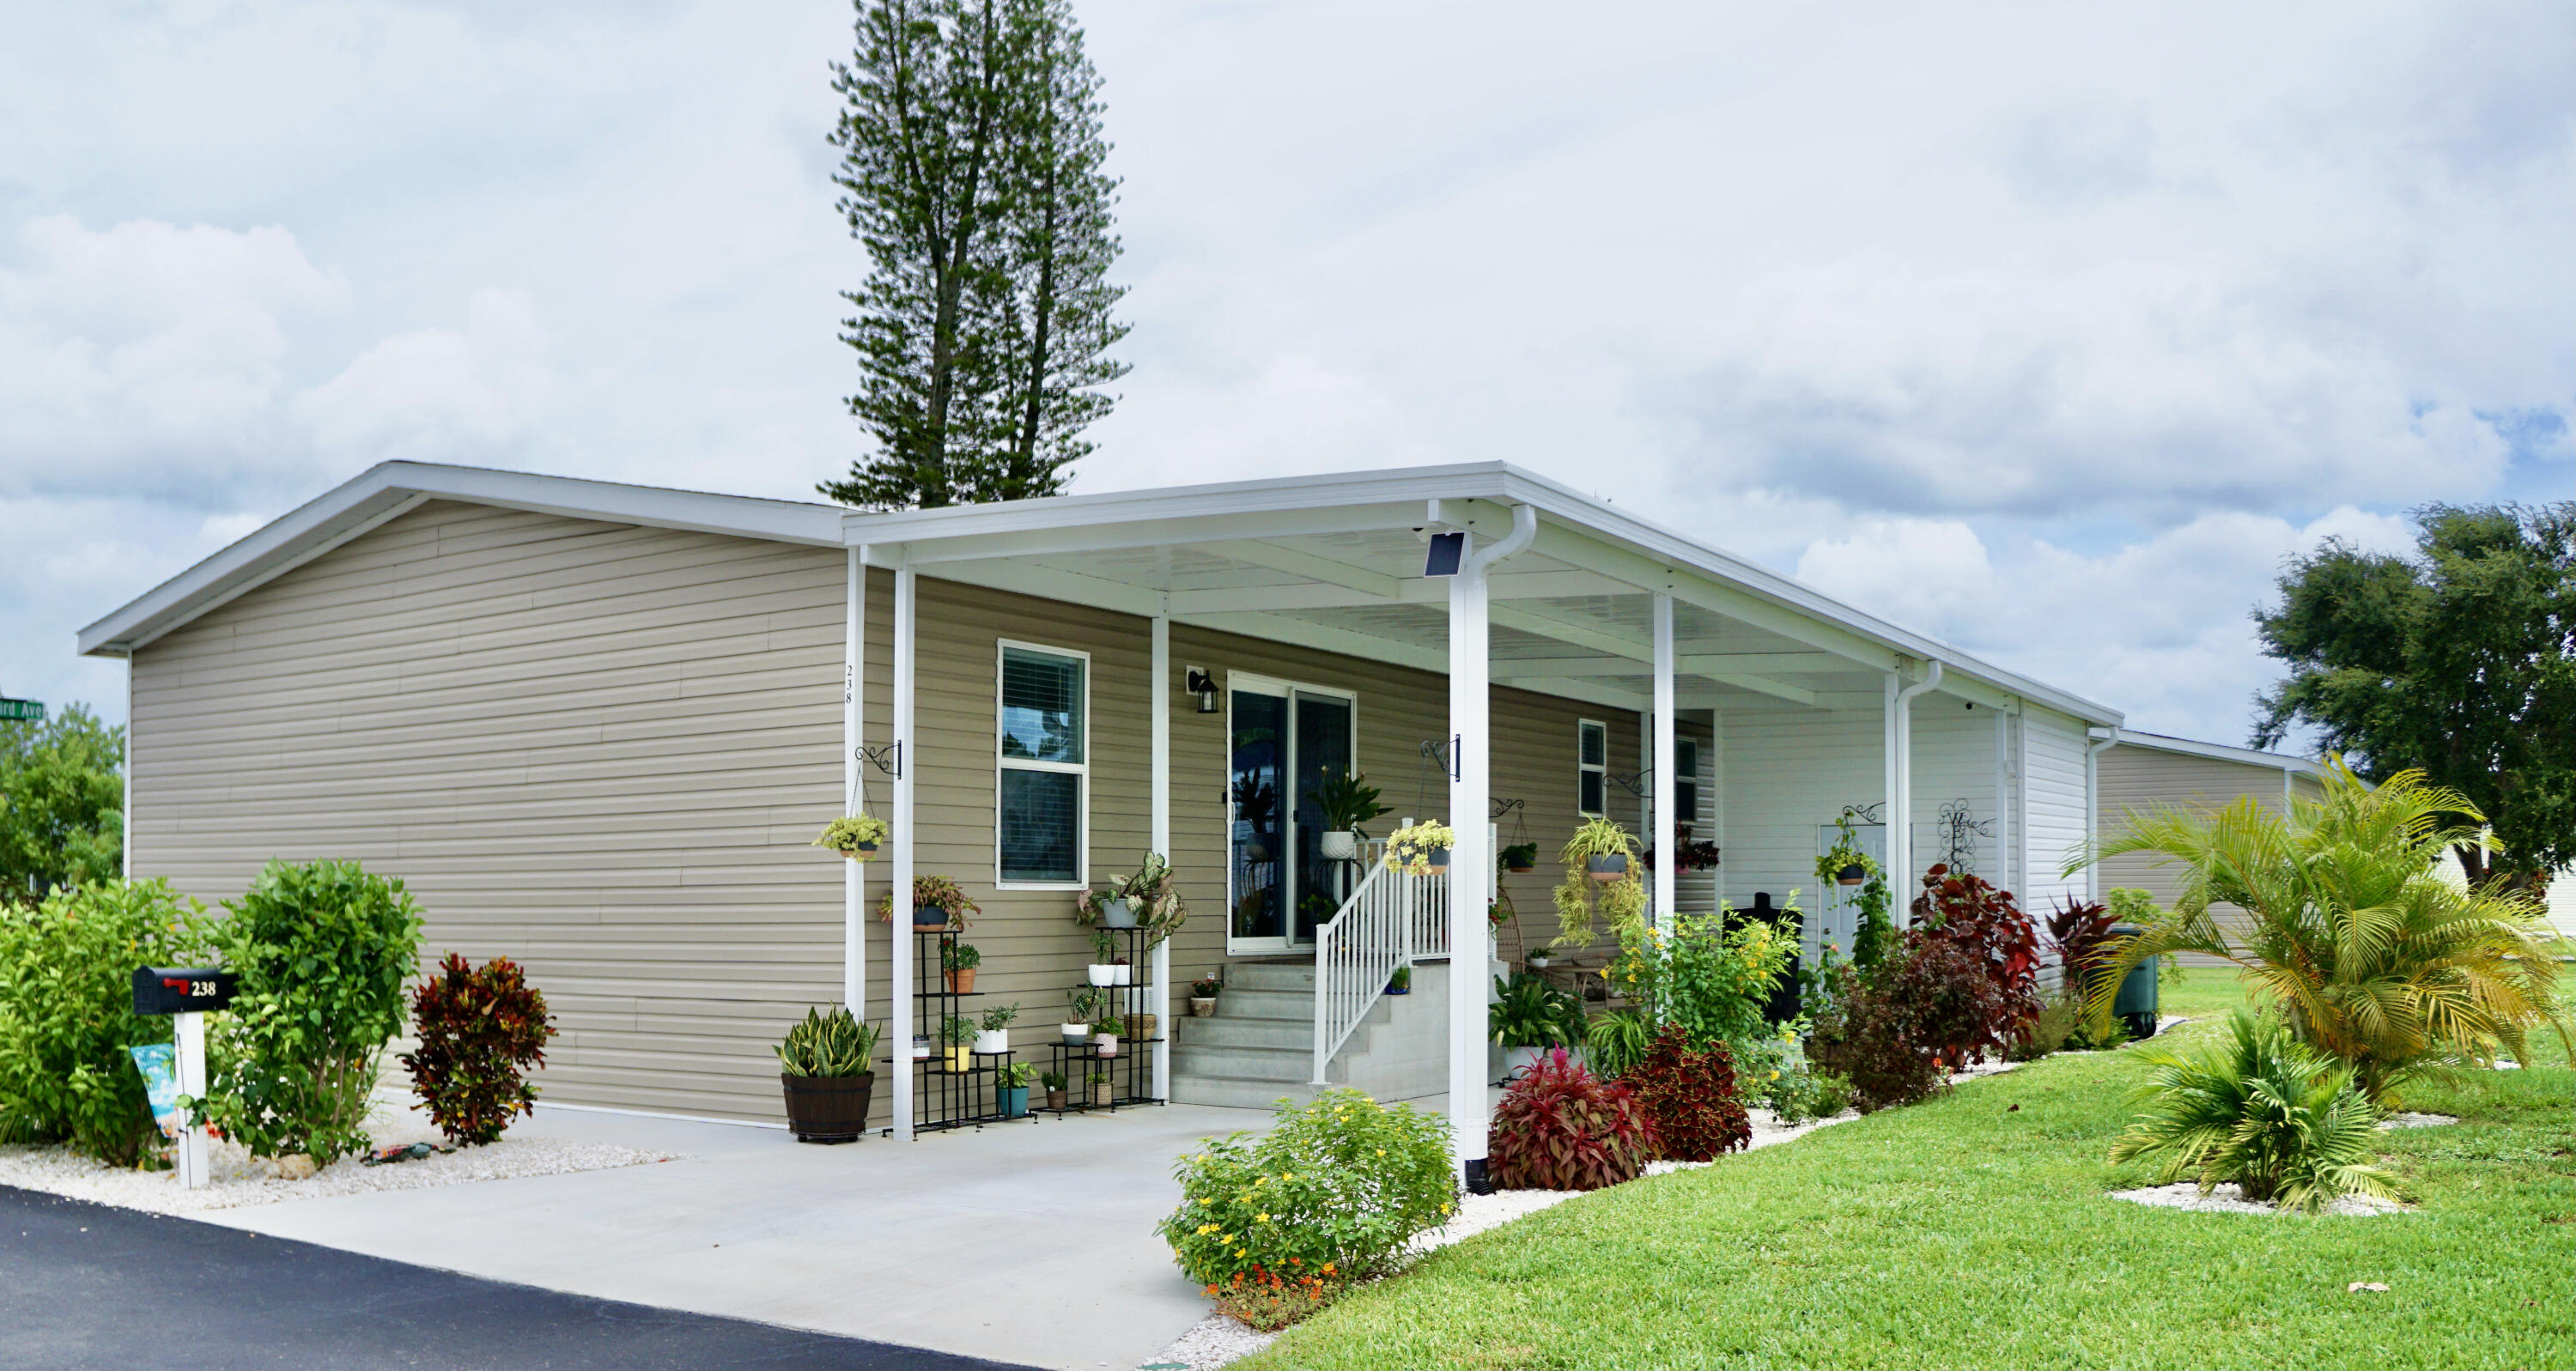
(62, 803)
(971, 154)
(2459, 661)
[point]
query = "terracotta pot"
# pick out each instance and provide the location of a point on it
(962, 982)
(828, 1109)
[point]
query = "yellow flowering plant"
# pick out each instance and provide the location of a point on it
(1330, 1194)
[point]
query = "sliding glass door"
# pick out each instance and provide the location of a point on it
(1283, 743)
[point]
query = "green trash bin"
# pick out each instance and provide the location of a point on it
(2136, 1005)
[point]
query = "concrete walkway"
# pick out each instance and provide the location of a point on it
(1030, 1243)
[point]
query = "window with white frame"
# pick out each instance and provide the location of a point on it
(1592, 766)
(1685, 781)
(1042, 790)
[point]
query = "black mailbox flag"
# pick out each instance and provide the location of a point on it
(181, 989)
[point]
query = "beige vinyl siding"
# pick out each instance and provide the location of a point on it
(2140, 779)
(597, 749)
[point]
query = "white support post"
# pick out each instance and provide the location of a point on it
(1160, 802)
(899, 959)
(854, 878)
(1901, 870)
(1666, 835)
(126, 869)
(1470, 867)
(188, 1033)
(1891, 849)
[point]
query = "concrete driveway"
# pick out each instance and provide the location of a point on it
(1029, 1243)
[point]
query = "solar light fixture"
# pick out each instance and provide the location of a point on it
(1445, 553)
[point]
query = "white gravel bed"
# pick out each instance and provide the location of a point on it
(2412, 1120)
(1212, 1342)
(236, 1179)
(2230, 1199)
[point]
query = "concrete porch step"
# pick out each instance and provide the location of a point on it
(1222, 1031)
(1297, 1005)
(1282, 1064)
(1237, 1092)
(1270, 975)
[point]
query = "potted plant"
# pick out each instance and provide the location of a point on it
(921, 1047)
(1101, 1094)
(1103, 969)
(1087, 1002)
(1104, 909)
(1421, 849)
(1107, 1035)
(993, 1038)
(1520, 859)
(827, 1069)
(1598, 873)
(956, 1032)
(1400, 981)
(854, 836)
(1121, 971)
(1345, 802)
(936, 903)
(1054, 1083)
(1203, 993)
(1011, 1089)
(1529, 1017)
(1541, 958)
(1140, 1027)
(957, 961)
(1146, 898)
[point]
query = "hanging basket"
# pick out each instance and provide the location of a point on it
(1437, 861)
(1607, 869)
(1853, 874)
(861, 852)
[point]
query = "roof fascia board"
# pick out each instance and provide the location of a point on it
(2220, 752)
(389, 489)
(1410, 590)
(1410, 487)
(1227, 526)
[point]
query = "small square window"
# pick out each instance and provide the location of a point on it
(1041, 825)
(1043, 783)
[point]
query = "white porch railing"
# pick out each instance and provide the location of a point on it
(1391, 920)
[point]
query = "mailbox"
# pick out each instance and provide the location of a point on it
(181, 989)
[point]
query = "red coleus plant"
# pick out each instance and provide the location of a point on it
(1689, 1096)
(1959, 909)
(1560, 1127)
(2077, 931)
(480, 1032)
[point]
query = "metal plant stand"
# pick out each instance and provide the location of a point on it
(942, 1098)
(1131, 1072)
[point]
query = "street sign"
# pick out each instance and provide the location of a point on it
(25, 711)
(181, 989)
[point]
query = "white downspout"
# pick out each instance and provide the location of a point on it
(1900, 804)
(1160, 805)
(1471, 861)
(2101, 740)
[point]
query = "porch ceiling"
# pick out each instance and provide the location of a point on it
(1557, 628)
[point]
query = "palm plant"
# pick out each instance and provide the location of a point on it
(2285, 1124)
(2349, 928)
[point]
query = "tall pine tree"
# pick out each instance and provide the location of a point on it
(971, 169)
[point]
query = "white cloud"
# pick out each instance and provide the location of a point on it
(439, 394)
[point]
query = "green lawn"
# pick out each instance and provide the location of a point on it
(1973, 1231)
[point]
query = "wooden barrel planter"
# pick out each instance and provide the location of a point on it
(828, 1109)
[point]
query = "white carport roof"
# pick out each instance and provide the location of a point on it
(1331, 562)
(1336, 563)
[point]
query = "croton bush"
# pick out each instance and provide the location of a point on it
(1559, 1127)
(481, 1031)
(1688, 1094)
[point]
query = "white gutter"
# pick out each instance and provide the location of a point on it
(1471, 859)
(2102, 740)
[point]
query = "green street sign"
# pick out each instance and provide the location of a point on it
(31, 711)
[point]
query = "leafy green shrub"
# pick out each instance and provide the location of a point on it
(1774, 1072)
(67, 1011)
(2285, 1123)
(322, 949)
(480, 1032)
(1330, 1194)
(1688, 1094)
(1528, 1011)
(1616, 1041)
(1713, 980)
(1559, 1127)
(1813, 1093)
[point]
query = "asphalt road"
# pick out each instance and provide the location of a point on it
(85, 1285)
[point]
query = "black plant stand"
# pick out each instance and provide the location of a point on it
(941, 1098)
(1131, 1072)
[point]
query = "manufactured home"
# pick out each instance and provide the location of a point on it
(595, 726)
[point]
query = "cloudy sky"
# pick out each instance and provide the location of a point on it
(2046, 328)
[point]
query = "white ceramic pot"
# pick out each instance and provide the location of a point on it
(1341, 845)
(921, 1049)
(1102, 973)
(1122, 973)
(1075, 1034)
(993, 1040)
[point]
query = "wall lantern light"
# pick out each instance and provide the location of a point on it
(1197, 681)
